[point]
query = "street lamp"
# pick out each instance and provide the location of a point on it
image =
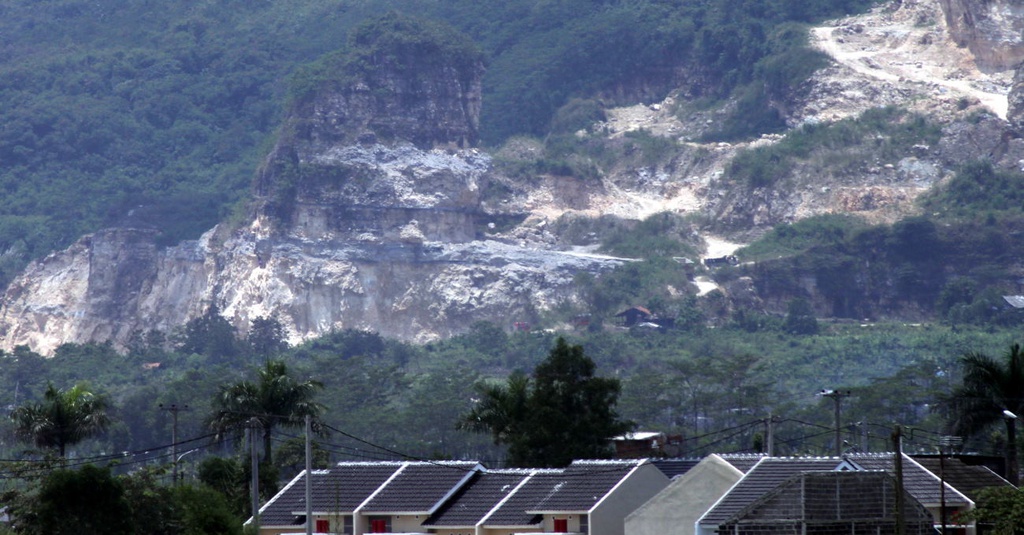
(1012, 470)
(177, 460)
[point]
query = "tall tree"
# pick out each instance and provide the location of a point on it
(502, 410)
(210, 334)
(63, 418)
(274, 399)
(991, 388)
(266, 337)
(563, 412)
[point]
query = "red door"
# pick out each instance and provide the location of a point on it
(378, 526)
(323, 526)
(561, 525)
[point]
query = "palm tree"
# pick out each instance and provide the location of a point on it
(63, 418)
(500, 409)
(275, 399)
(991, 391)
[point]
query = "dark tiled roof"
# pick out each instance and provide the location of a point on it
(420, 487)
(477, 498)
(966, 478)
(513, 511)
(831, 499)
(742, 461)
(675, 467)
(764, 477)
(918, 481)
(583, 484)
(340, 489)
(577, 487)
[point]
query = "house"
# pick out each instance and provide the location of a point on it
(693, 490)
(465, 498)
(925, 485)
(832, 503)
(969, 479)
(765, 476)
(634, 316)
(772, 472)
(366, 497)
(645, 444)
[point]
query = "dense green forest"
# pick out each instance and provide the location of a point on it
(128, 111)
(387, 399)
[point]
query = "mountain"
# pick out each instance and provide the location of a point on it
(368, 214)
(377, 209)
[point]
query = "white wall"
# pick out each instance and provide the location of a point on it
(608, 516)
(676, 509)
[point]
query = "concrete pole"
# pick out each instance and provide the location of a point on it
(174, 409)
(309, 475)
(837, 398)
(897, 445)
(253, 431)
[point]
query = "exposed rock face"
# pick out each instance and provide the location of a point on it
(362, 221)
(992, 29)
(1015, 102)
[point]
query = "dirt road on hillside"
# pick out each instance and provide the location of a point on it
(882, 45)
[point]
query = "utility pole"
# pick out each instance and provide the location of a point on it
(897, 446)
(770, 424)
(309, 475)
(174, 409)
(945, 442)
(252, 430)
(837, 398)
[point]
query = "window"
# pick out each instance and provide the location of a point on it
(584, 524)
(561, 525)
(323, 526)
(348, 529)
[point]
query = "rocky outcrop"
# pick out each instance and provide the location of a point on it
(1015, 102)
(402, 79)
(367, 215)
(993, 30)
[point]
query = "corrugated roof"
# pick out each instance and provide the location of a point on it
(420, 487)
(764, 477)
(477, 498)
(639, 435)
(1016, 301)
(341, 489)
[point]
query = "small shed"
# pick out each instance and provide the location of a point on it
(634, 315)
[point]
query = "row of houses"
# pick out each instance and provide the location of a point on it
(719, 494)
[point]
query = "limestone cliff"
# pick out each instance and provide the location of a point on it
(992, 29)
(366, 215)
(374, 211)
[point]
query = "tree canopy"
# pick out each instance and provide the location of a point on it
(276, 398)
(62, 418)
(991, 388)
(563, 413)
